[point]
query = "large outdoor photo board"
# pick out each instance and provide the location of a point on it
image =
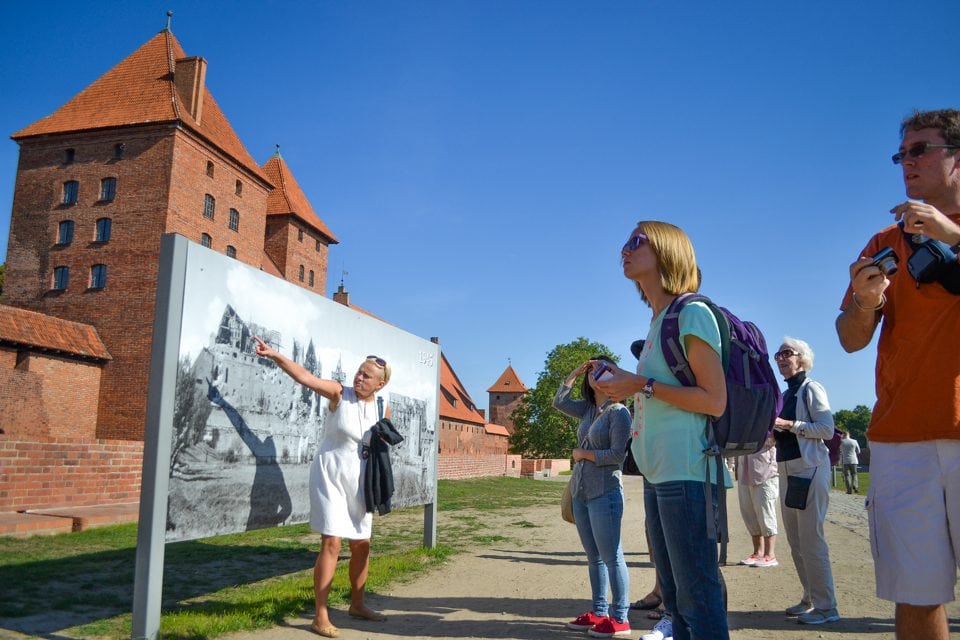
(244, 434)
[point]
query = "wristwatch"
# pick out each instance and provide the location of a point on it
(647, 390)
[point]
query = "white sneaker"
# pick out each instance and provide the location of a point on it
(662, 631)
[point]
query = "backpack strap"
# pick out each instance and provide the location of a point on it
(680, 367)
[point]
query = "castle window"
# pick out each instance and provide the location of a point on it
(311, 278)
(108, 189)
(69, 156)
(318, 246)
(300, 235)
(234, 220)
(71, 191)
(98, 276)
(118, 150)
(206, 240)
(104, 227)
(209, 168)
(65, 232)
(61, 278)
(209, 206)
(301, 273)
(239, 188)
(231, 251)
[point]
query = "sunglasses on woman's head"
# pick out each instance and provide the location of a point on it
(635, 241)
(380, 362)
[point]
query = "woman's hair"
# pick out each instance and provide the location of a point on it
(676, 259)
(801, 347)
(585, 389)
(386, 367)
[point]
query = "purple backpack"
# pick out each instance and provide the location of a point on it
(753, 393)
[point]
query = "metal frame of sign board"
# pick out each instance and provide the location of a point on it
(167, 331)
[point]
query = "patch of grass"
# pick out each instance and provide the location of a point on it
(236, 582)
(863, 480)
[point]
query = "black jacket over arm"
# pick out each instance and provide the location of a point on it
(378, 473)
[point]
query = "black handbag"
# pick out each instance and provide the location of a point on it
(797, 490)
(629, 464)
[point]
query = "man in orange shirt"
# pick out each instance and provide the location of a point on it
(914, 433)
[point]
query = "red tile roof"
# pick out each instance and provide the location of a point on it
(140, 90)
(288, 199)
(508, 382)
(43, 332)
(496, 429)
(455, 402)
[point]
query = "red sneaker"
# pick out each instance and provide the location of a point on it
(585, 622)
(609, 628)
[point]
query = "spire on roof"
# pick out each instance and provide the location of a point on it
(169, 15)
(276, 154)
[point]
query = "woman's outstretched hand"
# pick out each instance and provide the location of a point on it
(620, 384)
(263, 350)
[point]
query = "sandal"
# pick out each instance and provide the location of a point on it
(649, 601)
(656, 614)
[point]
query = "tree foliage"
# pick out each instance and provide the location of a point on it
(855, 421)
(541, 430)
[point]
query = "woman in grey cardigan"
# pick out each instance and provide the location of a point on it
(804, 466)
(598, 498)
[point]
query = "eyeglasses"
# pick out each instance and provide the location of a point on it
(380, 362)
(918, 150)
(786, 353)
(635, 241)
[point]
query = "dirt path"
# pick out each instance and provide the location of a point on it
(528, 588)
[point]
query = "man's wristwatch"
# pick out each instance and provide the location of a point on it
(647, 390)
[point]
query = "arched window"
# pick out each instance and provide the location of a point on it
(104, 228)
(71, 191)
(61, 278)
(65, 232)
(98, 276)
(234, 220)
(239, 188)
(231, 251)
(310, 281)
(209, 206)
(206, 240)
(301, 273)
(108, 189)
(209, 168)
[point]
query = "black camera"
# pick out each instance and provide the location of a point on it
(886, 260)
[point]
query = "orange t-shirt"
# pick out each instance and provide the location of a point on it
(918, 355)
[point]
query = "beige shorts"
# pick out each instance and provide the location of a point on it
(914, 496)
(758, 507)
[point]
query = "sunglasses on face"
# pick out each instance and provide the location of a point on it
(918, 150)
(783, 355)
(380, 362)
(635, 241)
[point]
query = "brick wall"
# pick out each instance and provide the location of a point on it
(464, 438)
(291, 243)
(544, 467)
(46, 395)
(44, 473)
(459, 467)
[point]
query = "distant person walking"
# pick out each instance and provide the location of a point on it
(597, 487)
(337, 505)
(849, 452)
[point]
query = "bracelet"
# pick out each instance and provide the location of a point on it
(883, 301)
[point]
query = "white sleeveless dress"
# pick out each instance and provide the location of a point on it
(337, 506)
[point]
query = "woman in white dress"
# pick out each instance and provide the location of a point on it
(337, 506)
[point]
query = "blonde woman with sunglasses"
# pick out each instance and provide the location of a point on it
(337, 506)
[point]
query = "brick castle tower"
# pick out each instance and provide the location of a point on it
(504, 396)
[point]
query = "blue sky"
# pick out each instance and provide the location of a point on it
(482, 162)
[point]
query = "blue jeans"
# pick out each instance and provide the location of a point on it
(598, 523)
(685, 558)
